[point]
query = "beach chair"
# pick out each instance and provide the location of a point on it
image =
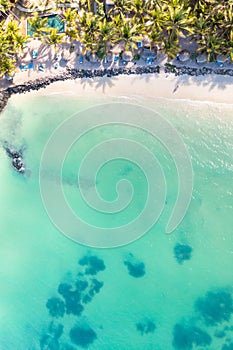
(57, 56)
(81, 59)
(56, 65)
(149, 60)
(34, 54)
(41, 67)
(22, 66)
(139, 44)
(105, 60)
(30, 65)
(116, 58)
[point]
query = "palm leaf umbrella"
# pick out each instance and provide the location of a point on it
(201, 58)
(127, 56)
(184, 56)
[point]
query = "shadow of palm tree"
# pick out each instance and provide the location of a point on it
(211, 80)
(105, 82)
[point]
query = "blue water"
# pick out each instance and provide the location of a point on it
(54, 21)
(161, 292)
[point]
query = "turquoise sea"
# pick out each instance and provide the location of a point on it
(161, 292)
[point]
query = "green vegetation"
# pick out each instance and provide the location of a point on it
(165, 23)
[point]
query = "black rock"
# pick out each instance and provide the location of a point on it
(93, 264)
(182, 252)
(136, 268)
(145, 327)
(82, 336)
(56, 307)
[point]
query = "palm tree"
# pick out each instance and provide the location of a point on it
(212, 45)
(86, 5)
(170, 47)
(5, 5)
(87, 30)
(177, 19)
(139, 8)
(54, 38)
(126, 31)
(38, 25)
(121, 7)
(11, 30)
(7, 65)
(105, 34)
(154, 18)
(70, 17)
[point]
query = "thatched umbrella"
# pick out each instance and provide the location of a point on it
(184, 56)
(109, 57)
(93, 58)
(146, 42)
(221, 58)
(148, 53)
(118, 48)
(201, 58)
(127, 56)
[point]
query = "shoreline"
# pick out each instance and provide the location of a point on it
(180, 76)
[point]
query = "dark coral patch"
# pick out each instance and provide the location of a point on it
(227, 346)
(187, 337)
(93, 264)
(96, 285)
(56, 307)
(146, 326)
(86, 299)
(67, 347)
(72, 298)
(182, 252)
(81, 285)
(135, 267)
(82, 336)
(220, 334)
(64, 289)
(215, 307)
(56, 330)
(74, 307)
(47, 342)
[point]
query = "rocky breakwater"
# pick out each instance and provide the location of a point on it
(196, 71)
(72, 73)
(16, 158)
(4, 95)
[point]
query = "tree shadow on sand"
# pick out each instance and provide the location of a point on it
(98, 83)
(211, 80)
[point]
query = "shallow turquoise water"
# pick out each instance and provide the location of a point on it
(35, 258)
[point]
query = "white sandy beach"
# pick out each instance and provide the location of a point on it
(210, 88)
(214, 88)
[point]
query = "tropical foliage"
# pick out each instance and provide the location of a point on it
(165, 23)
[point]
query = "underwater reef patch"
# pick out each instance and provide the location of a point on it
(215, 307)
(92, 264)
(82, 336)
(182, 252)
(185, 337)
(146, 326)
(56, 307)
(136, 268)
